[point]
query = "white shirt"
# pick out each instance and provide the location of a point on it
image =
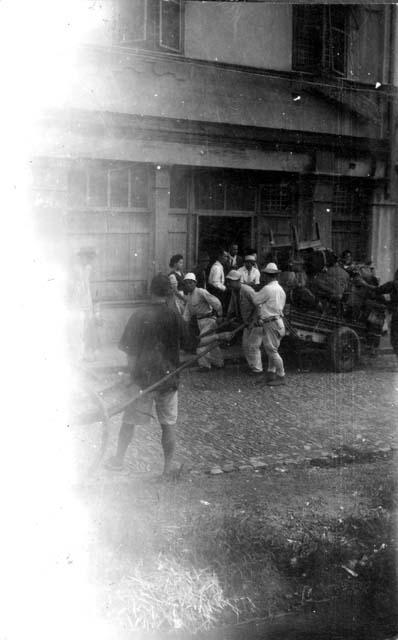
(249, 277)
(217, 277)
(200, 303)
(271, 300)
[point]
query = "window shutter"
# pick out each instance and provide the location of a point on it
(170, 25)
(131, 21)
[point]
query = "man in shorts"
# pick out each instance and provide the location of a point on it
(152, 340)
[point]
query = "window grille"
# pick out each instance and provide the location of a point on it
(348, 201)
(350, 216)
(276, 198)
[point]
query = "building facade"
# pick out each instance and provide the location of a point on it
(194, 124)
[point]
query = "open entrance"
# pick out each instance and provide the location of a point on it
(221, 231)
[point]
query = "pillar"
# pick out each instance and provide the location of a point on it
(384, 236)
(161, 206)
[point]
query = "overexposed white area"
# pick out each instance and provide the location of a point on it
(44, 587)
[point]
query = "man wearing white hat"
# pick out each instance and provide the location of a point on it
(205, 308)
(270, 300)
(249, 274)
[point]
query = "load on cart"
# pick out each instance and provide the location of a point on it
(330, 306)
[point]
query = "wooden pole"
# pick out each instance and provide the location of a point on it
(87, 419)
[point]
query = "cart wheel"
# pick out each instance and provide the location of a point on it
(344, 349)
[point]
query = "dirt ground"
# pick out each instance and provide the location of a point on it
(258, 544)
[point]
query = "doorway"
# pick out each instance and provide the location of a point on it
(221, 231)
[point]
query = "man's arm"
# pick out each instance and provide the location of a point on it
(232, 311)
(261, 296)
(187, 313)
(213, 302)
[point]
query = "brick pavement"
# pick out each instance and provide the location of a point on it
(227, 417)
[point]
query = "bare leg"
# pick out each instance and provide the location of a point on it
(126, 435)
(168, 445)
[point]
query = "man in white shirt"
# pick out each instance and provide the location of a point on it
(270, 301)
(249, 274)
(216, 281)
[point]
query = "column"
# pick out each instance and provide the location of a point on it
(161, 202)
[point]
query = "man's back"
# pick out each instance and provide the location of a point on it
(271, 299)
(152, 337)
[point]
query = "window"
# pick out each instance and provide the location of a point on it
(350, 211)
(150, 24)
(225, 190)
(277, 207)
(276, 198)
(210, 191)
(108, 185)
(179, 181)
(132, 21)
(170, 25)
(320, 38)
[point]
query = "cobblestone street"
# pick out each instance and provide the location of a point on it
(227, 418)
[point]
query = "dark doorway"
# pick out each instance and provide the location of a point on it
(221, 231)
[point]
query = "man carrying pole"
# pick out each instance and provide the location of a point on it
(151, 341)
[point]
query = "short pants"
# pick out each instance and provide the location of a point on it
(141, 411)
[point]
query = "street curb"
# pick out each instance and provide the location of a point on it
(349, 455)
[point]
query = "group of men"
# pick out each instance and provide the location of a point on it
(260, 312)
(154, 334)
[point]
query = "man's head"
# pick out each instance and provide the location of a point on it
(269, 273)
(250, 251)
(233, 281)
(203, 259)
(190, 282)
(160, 286)
(233, 249)
(176, 262)
(346, 257)
(222, 256)
(250, 261)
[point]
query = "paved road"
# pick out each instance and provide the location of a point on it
(228, 417)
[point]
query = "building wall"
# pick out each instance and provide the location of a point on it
(190, 90)
(250, 34)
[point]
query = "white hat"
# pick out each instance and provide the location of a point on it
(250, 258)
(271, 269)
(233, 275)
(190, 276)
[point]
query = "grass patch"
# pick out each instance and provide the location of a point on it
(170, 560)
(166, 595)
